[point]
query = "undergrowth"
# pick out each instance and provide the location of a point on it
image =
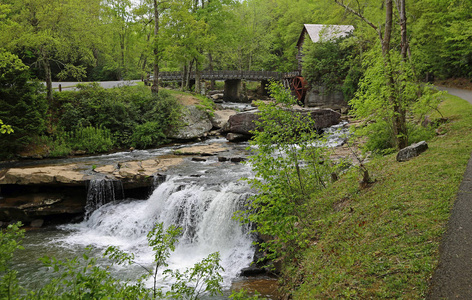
(383, 241)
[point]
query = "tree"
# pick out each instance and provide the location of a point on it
(23, 106)
(393, 96)
(45, 32)
(290, 168)
(441, 38)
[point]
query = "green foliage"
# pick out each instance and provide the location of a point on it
(132, 115)
(376, 99)
(10, 241)
(84, 278)
(23, 106)
(90, 139)
(383, 242)
(289, 169)
(4, 128)
(202, 278)
(243, 295)
(147, 134)
(441, 37)
(333, 64)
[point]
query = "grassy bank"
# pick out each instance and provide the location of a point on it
(383, 241)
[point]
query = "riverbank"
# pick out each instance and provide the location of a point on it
(383, 241)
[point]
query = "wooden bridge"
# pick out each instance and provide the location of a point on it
(230, 75)
(291, 80)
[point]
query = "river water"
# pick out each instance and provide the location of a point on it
(199, 197)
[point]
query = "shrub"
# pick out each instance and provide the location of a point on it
(22, 105)
(90, 139)
(148, 134)
(129, 113)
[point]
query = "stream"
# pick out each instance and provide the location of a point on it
(199, 197)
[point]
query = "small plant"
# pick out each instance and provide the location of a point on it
(289, 170)
(90, 139)
(10, 241)
(204, 277)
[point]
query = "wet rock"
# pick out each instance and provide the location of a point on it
(237, 137)
(199, 159)
(37, 223)
(242, 123)
(203, 150)
(197, 124)
(252, 271)
(221, 117)
(217, 96)
(411, 151)
(237, 159)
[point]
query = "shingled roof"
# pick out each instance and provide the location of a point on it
(327, 32)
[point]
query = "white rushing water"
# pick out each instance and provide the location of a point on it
(203, 210)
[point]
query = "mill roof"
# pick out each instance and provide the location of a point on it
(327, 32)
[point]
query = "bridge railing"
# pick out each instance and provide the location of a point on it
(228, 75)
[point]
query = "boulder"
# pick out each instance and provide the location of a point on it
(221, 117)
(411, 151)
(217, 96)
(252, 271)
(237, 137)
(244, 123)
(37, 223)
(196, 124)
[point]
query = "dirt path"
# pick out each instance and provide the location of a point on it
(453, 277)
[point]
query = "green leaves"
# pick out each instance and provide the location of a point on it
(290, 168)
(202, 278)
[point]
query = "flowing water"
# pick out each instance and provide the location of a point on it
(199, 197)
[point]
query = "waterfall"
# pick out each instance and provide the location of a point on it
(203, 210)
(101, 192)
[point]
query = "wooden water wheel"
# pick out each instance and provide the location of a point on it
(299, 87)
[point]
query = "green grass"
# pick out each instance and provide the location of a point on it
(383, 241)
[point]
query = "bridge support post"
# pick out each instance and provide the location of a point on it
(264, 91)
(233, 89)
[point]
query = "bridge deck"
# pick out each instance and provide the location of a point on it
(228, 75)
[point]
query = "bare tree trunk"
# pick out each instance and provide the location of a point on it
(404, 39)
(198, 78)
(189, 74)
(155, 81)
(210, 62)
(47, 72)
(388, 27)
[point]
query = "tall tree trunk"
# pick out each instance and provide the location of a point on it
(388, 27)
(404, 39)
(143, 58)
(47, 72)
(210, 62)
(155, 81)
(122, 49)
(198, 78)
(184, 78)
(400, 113)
